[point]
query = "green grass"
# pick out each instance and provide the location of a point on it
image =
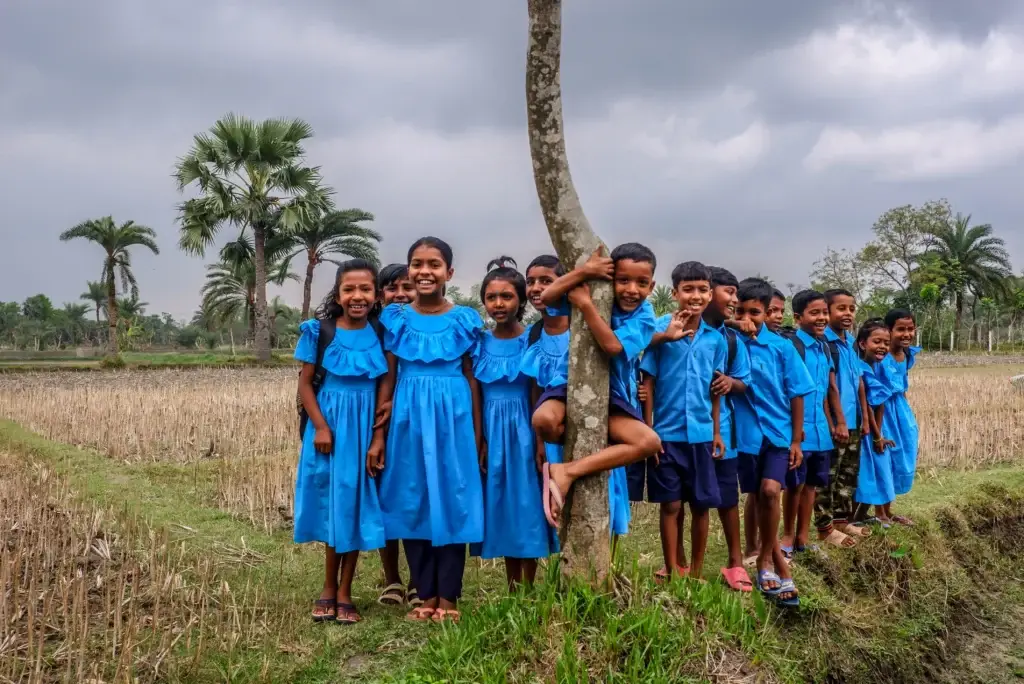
(145, 360)
(906, 606)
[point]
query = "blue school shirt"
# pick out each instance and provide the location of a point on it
(817, 436)
(847, 376)
(738, 369)
(777, 375)
(684, 370)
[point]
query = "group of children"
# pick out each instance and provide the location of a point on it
(426, 427)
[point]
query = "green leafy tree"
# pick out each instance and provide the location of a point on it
(663, 300)
(10, 318)
(337, 232)
(38, 308)
(116, 241)
(70, 324)
(250, 174)
(971, 259)
(891, 258)
(472, 300)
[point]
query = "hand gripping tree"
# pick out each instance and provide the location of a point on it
(585, 528)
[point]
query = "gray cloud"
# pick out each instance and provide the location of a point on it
(743, 133)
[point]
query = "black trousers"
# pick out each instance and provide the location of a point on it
(436, 570)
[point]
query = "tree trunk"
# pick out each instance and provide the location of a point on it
(585, 529)
(261, 341)
(112, 349)
(959, 317)
(307, 286)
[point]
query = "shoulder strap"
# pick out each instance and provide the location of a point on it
(534, 335)
(730, 340)
(801, 349)
(328, 327)
(833, 353)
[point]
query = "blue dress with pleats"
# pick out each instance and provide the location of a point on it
(904, 428)
(336, 501)
(875, 478)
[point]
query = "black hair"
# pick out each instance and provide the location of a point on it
(869, 326)
(634, 251)
(329, 308)
(777, 294)
(830, 295)
(720, 277)
(391, 274)
(438, 244)
(756, 290)
(689, 271)
(504, 268)
(547, 261)
(803, 299)
(895, 315)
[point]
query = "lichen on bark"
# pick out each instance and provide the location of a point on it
(585, 520)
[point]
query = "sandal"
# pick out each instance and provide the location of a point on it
(763, 578)
(393, 595)
(902, 520)
(837, 538)
(787, 551)
(446, 615)
(326, 605)
(413, 598)
(551, 496)
(737, 579)
(661, 576)
(750, 561)
(348, 614)
(420, 614)
(854, 530)
(788, 587)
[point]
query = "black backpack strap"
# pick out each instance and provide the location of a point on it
(833, 353)
(534, 335)
(328, 327)
(730, 341)
(801, 348)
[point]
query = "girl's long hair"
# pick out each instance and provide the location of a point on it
(329, 308)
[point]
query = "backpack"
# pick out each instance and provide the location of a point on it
(831, 347)
(323, 341)
(533, 337)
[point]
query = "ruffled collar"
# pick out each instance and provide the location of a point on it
(413, 336)
(497, 359)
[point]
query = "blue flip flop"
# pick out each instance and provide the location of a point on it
(787, 586)
(787, 551)
(764, 576)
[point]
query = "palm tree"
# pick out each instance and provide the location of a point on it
(115, 240)
(97, 294)
(131, 307)
(338, 232)
(69, 323)
(663, 300)
(970, 258)
(472, 300)
(250, 175)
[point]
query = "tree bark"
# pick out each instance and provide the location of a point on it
(585, 528)
(307, 286)
(112, 349)
(261, 341)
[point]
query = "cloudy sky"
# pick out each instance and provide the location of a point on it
(742, 133)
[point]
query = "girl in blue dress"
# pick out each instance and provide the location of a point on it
(514, 525)
(902, 329)
(874, 479)
(430, 488)
(335, 501)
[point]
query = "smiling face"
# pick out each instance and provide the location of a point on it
(752, 310)
(538, 279)
(357, 292)
(723, 302)
(903, 332)
(814, 318)
(634, 281)
(692, 296)
(429, 271)
(399, 291)
(501, 301)
(775, 314)
(876, 346)
(841, 313)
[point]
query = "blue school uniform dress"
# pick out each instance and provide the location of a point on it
(726, 468)
(777, 375)
(430, 488)
(875, 477)
(683, 370)
(817, 444)
(847, 376)
(336, 501)
(905, 431)
(514, 523)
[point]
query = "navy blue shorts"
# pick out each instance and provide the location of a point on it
(726, 472)
(818, 465)
(615, 404)
(685, 472)
(636, 479)
(771, 464)
(558, 393)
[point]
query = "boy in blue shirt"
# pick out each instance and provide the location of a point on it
(774, 407)
(678, 368)
(631, 270)
(810, 311)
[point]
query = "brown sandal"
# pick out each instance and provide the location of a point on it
(347, 614)
(328, 610)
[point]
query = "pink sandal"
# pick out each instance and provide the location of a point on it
(737, 579)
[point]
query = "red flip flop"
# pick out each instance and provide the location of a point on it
(737, 579)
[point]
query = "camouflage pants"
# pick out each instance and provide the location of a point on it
(835, 502)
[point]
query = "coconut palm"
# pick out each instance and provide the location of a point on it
(971, 258)
(251, 175)
(337, 232)
(131, 307)
(116, 241)
(97, 294)
(662, 300)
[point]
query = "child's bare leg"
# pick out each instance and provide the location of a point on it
(348, 573)
(698, 539)
(513, 572)
(730, 518)
(632, 441)
(681, 538)
(669, 524)
(389, 562)
(529, 566)
(750, 524)
(549, 421)
(805, 510)
(790, 505)
(768, 520)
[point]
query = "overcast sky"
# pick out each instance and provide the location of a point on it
(741, 133)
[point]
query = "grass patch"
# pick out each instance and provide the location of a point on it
(146, 360)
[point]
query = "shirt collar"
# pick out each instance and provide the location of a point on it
(764, 335)
(808, 340)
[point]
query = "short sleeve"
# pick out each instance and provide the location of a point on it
(876, 389)
(562, 308)
(912, 353)
(662, 323)
(797, 380)
(309, 335)
(650, 360)
(636, 331)
(739, 369)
